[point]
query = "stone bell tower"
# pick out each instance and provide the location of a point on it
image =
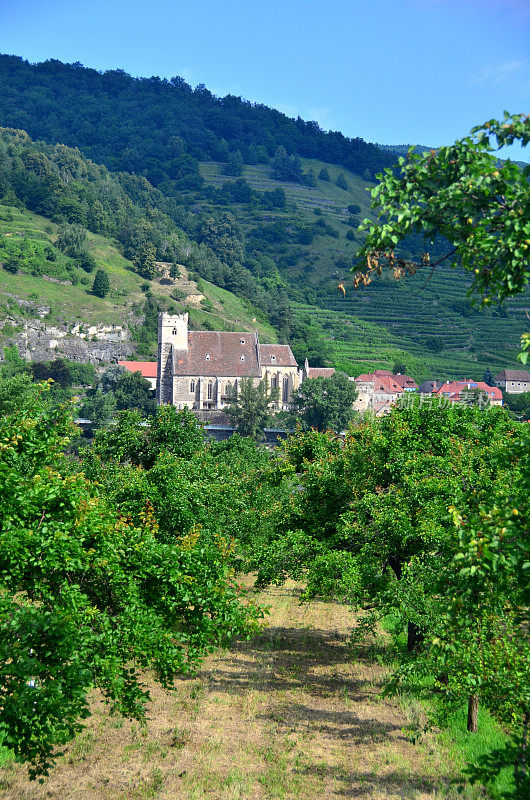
(172, 336)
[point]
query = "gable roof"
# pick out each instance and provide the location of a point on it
(405, 381)
(513, 375)
(428, 387)
(453, 389)
(279, 355)
(387, 384)
(320, 372)
(384, 381)
(220, 354)
(147, 368)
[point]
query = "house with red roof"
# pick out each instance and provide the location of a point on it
(378, 391)
(470, 392)
(147, 369)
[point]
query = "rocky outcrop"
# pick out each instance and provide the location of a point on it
(38, 340)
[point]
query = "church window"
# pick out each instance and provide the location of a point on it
(228, 388)
(174, 332)
(192, 387)
(285, 391)
(210, 390)
(274, 382)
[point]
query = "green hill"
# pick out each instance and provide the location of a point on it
(48, 299)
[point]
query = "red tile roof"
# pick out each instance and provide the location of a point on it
(385, 383)
(405, 381)
(279, 355)
(219, 353)
(453, 389)
(147, 368)
(384, 375)
(320, 372)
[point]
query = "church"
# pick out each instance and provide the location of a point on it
(202, 369)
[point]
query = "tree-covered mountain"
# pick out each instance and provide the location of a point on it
(161, 128)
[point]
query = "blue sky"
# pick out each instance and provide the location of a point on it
(390, 71)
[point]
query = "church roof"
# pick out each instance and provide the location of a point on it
(219, 354)
(279, 355)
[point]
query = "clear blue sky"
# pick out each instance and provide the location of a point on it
(391, 71)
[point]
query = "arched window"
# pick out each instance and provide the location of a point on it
(174, 332)
(228, 388)
(285, 391)
(210, 390)
(192, 387)
(274, 382)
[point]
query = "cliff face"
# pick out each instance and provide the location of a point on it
(40, 340)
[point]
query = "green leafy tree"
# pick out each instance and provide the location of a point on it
(286, 167)
(72, 239)
(342, 183)
(399, 368)
(144, 260)
(234, 166)
(89, 598)
(325, 403)
(488, 378)
(17, 392)
(13, 364)
(134, 391)
(309, 178)
(250, 409)
(463, 193)
(98, 406)
(101, 285)
(224, 236)
(518, 405)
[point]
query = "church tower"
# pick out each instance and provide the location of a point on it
(172, 336)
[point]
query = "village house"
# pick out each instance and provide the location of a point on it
(514, 381)
(465, 391)
(378, 391)
(202, 370)
(147, 369)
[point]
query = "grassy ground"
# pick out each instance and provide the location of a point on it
(291, 715)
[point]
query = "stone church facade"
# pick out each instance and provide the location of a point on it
(202, 369)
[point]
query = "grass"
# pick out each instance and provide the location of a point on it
(289, 715)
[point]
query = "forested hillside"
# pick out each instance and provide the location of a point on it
(258, 204)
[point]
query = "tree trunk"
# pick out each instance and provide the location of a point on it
(472, 713)
(414, 637)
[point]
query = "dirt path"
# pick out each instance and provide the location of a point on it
(288, 715)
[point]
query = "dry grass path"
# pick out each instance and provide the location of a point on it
(288, 715)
